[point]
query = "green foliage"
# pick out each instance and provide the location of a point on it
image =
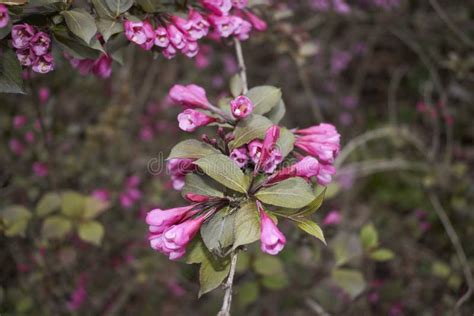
(10, 73)
(56, 227)
(311, 228)
(351, 281)
(14, 220)
(264, 98)
(81, 23)
(192, 148)
(201, 185)
(91, 231)
(254, 127)
(218, 232)
(212, 273)
(369, 236)
(246, 225)
(291, 193)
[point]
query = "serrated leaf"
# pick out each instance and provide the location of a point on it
(119, 6)
(268, 265)
(311, 228)
(254, 127)
(56, 227)
(236, 87)
(217, 233)
(109, 27)
(81, 23)
(10, 73)
(93, 207)
(264, 98)
(212, 273)
(72, 204)
(91, 232)
(351, 281)
(291, 193)
(369, 236)
(246, 225)
(201, 185)
(224, 170)
(285, 142)
(15, 220)
(312, 207)
(49, 203)
(192, 149)
(382, 254)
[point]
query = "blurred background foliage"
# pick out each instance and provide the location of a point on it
(395, 77)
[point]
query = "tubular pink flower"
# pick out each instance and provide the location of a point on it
(239, 156)
(189, 120)
(321, 141)
(224, 25)
(242, 28)
(102, 67)
(191, 49)
(255, 150)
(333, 218)
(196, 198)
(26, 57)
(160, 220)
(43, 64)
(306, 168)
(268, 148)
(135, 32)
(161, 37)
(178, 168)
(325, 174)
(150, 36)
(177, 38)
(4, 17)
(241, 107)
(199, 26)
(169, 52)
(40, 43)
(192, 96)
(240, 4)
(272, 241)
(219, 7)
(257, 23)
(22, 34)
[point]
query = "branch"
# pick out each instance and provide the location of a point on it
(242, 68)
(225, 309)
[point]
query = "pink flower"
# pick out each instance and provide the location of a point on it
(101, 195)
(268, 151)
(256, 22)
(242, 28)
(44, 64)
(189, 120)
(22, 34)
(177, 38)
(199, 27)
(321, 141)
(333, 218)
(40, 43)
(43, 95)
(190, 49)
(224, 25)
(189, 96)
(161, 37)
(196, 198)
(272, 240)
(78, 296)
(325, 174)
(239, 156)
(219, 7)
(26, 57)
(4, 17)
(140, 33)
(307, 167)
(240, 4)
(29, 137)
(40, 169)
(255, 150)
(160, 220)
(178, 168)
(102, 67)
(19, 121)
(169, 52)
(16, 146)
(241, 107)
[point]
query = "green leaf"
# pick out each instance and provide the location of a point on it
(268, 265)
(275, 282)
(81, 23)
(382, 254)
(49, 203)
(346, 247)
(196, 251)
(291, 193)
(56, 227)
(312, 207)
(311, 228)
(369, 236)
(224, 170)
(109, 27)
(73, 45)
(217, 232)
(254, 127)
(72, 204)
(15, 220)
(440, 269)
(192, 149)
(102, 9)
(10, 73)
(236, 87)
(6, 30)
(285, 142)
(92, 232)
(277, 113)
(246, 225)
(212, 273)
(264, 98)
(119, 6)
(247, 293)
(149, 6)
(93, 207)
(351, 281)
(201, 185)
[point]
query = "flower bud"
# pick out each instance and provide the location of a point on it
(189, 120)
(241, 107)
(272, 240)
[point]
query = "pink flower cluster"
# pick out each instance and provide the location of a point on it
(100, 67)
(33, 48)
(223, 18)
(4, 17)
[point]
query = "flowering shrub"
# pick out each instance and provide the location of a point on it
(240, 181)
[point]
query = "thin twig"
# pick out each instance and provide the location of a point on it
(225, 309)
(315, 307)
(242, 68)
(453, 237)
